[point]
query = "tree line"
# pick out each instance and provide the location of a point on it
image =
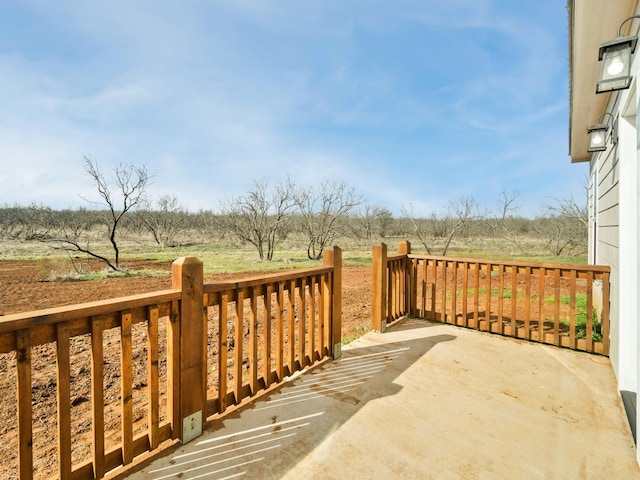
(268, 213)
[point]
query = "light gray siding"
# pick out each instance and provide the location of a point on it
(608, 235)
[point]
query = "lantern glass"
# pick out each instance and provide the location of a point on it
(616, 64)
(598, 138)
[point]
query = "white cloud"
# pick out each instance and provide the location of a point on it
(212, 94)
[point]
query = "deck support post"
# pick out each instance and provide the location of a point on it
(332, 257)
(191, 361)
(379, 288)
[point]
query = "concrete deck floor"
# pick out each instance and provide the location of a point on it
(424, 401)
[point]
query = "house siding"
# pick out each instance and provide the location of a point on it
(614, 187)
(607, 245)
(614, 183)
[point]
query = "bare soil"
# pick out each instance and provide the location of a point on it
(21, 290)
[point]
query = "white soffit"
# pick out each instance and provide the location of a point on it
(591, 23)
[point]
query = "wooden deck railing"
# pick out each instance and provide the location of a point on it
(560, 304)
(267, 328)
(26, 337)
(181, 355)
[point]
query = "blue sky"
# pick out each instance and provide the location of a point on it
(413, 102)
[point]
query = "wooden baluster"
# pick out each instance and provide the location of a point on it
(302, 320)
(173, 370)
(253, 339)
(423, 303)
(476, 296)
(454, 294)
(126, 372)
(391, 293)
(223, 350)
(238, 354)
(323, 315)
(97, 396)
(412, 265)
(400, 297)
(514, 301)
(312, 318)
(487, 301)
(556, 311)
(153, 391)
(500, 329)
(445, 274)
(267, 335)
(573, 341)
(25, 413)
(434, 289)
(291, 333)
(63, 378)
(280, 332)
(465, 288)
(542, 275)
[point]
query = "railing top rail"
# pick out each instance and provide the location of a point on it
(265, 279)
(18, 321)
(518, 263)
(395, 257)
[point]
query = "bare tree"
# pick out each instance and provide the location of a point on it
(504, 223)
(564, 226)
(124, 192)
(507, 203)
(569, 208)
(165, 222)
(420, 227)
(258, 217)
(374, 219)
(384, 220)
(460, 213)
(33, 222)
(208, 224)
(323, 207)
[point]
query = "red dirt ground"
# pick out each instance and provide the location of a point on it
(21, 291)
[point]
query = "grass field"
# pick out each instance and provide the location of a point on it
(226, 255)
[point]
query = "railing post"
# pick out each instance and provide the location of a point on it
(333, 257)
(404, 248)
(191, 363)
(379, 288)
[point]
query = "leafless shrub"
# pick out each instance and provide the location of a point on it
(258, 217)
(460, 214)
(164, 223)
(372, 219)
(323, 207)
(564, 226)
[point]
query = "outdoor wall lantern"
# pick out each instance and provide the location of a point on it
(615, 56)
(598, 135)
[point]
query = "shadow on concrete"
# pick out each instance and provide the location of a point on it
(267, 438)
